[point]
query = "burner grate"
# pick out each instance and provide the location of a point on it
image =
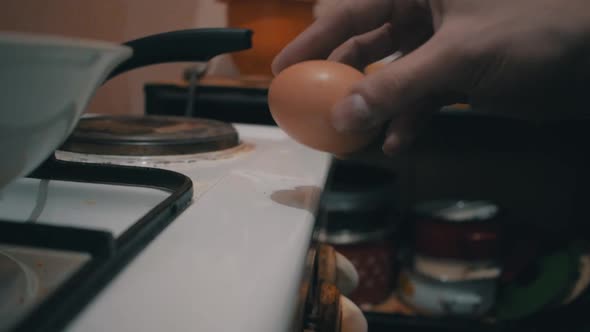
(109, 254)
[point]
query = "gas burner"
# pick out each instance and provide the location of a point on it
(150, 136)
(28, 276)
(17, 288)
(178, 162)
(51, 267)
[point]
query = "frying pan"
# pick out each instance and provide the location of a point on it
(46, 82)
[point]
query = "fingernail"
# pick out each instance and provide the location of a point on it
(391, 145)
(352, 114)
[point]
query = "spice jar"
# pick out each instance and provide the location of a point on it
(465, 230)
(455, 265)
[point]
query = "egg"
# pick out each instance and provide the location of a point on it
(352, 318)
(301, 98)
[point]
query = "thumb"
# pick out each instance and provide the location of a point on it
(425, 74)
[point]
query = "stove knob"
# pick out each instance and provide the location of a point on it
(352, 319)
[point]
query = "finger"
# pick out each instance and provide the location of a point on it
(404, 128)
(426, 73)
(361, 50)
(349, 18)
(400, 132)
(370, 152)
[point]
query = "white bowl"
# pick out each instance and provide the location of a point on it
(456, 270)
(46, 83)
(472, 298)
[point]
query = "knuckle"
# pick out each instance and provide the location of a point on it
(471, 52)
(473, 46)
(475, 58)
(356, 48)
(384, 94)
(352, 52)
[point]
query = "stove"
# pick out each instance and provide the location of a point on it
(157, 223)
(442, 164)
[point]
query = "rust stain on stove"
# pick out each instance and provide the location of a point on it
(228, 153)
(302, 197)
(175, 128)
(90, 202)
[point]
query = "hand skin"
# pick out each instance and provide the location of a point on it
(527, 58)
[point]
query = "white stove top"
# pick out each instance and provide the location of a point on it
(231, 262)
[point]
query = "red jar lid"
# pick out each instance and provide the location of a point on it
(467, 230)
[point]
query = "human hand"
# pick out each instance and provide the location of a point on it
(521, 57)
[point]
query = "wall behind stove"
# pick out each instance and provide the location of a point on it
(119, 21)
(116, 21)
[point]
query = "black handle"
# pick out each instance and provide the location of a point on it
(191, 45)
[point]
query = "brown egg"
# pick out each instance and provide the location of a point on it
(301, 98)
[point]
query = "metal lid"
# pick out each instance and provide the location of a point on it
(458, 211)
(150, 136)
(451, 270)
(466, 230)
(351, 237)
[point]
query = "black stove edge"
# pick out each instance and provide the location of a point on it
(308, 286)
(58, 310)
(95, 242)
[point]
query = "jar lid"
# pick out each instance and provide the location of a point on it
(465, 230)
(449, 270)
(458, 211)
(348, 237)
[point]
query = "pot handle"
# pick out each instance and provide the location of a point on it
(192, 45)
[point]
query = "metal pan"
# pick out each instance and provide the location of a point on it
(46, 83)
